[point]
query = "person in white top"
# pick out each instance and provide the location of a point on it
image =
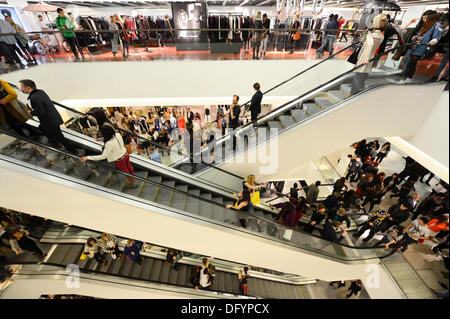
(114, 151)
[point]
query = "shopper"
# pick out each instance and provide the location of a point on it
(132, 252)
(373, 196)
(255, 104)
(114, 151)
(64, 23)
(371, 44)
(340, 216)
(108, 245)
(243, 280)
(355, 288)
(390, 184)
(295, 33)
(293, 193)
(91, 248)
(416, 232)
(22, 41)
(20, 241)
(115, 41)
(243, 204)
(266, 34)
(257, 34)
(8, 46)
(12, 112)
(428, 35)
(339, 187)
(329, 36)
(49, 118)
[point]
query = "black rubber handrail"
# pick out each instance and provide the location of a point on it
(208, 201)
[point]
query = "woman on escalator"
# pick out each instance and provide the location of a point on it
(114, 151)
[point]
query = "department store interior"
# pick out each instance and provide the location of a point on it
(226, 150)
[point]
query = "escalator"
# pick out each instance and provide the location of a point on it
(95, 195)
(164, 199)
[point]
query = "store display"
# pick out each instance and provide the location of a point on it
(188, 16)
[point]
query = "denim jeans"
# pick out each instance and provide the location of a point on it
(328, 43)
(264, 45)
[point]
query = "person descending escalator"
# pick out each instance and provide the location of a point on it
(114, 151)
(132, 251)
(92, 249)
(243, 280)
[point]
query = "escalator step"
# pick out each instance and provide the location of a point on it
(92, 265)
(219, 281)
(136, 269)
(298, 115)
(137, 190)
(179, 199)
(323, 102)
(156, 270)
(173, 275)
(118, 182)
(255, 287)
(193, 204)
(218, 200)
(116, 266)
(63, 165)
(82, 263)
(126, 267)
(287, 294)
(164, 276)
(164, 194)
(183, 275)
(147, 266)
(336, 95)
(275, 290)
(264, 288)
(294, 291)
(82, 171)
(286, 120)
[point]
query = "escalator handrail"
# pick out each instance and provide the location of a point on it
(159, 146)
(199, 198)
(284, 82)
(268, 116)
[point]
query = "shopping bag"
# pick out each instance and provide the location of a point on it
(354, 57)
(236, 204)
(255, 198)
(296, 36)
(83, 256)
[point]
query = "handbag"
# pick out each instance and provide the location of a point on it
(353, 58)
(128, 148)
(297, 36)
(255, 198)
(83, 256)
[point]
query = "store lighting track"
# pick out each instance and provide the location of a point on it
(245, 1)
(264, 2)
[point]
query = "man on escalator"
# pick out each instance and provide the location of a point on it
(49, 118)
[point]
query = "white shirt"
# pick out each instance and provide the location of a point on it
(113, 151)
(419, 231)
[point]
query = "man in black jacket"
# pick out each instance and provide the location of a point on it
(49, 118)
(330, 231)
(255, 104)
(397, 214)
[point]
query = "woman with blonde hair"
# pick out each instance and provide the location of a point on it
(124, 37)
(115, 42)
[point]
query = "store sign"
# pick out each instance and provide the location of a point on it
(10, 12)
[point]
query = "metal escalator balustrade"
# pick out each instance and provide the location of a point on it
(305, 108)
(195, 204)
